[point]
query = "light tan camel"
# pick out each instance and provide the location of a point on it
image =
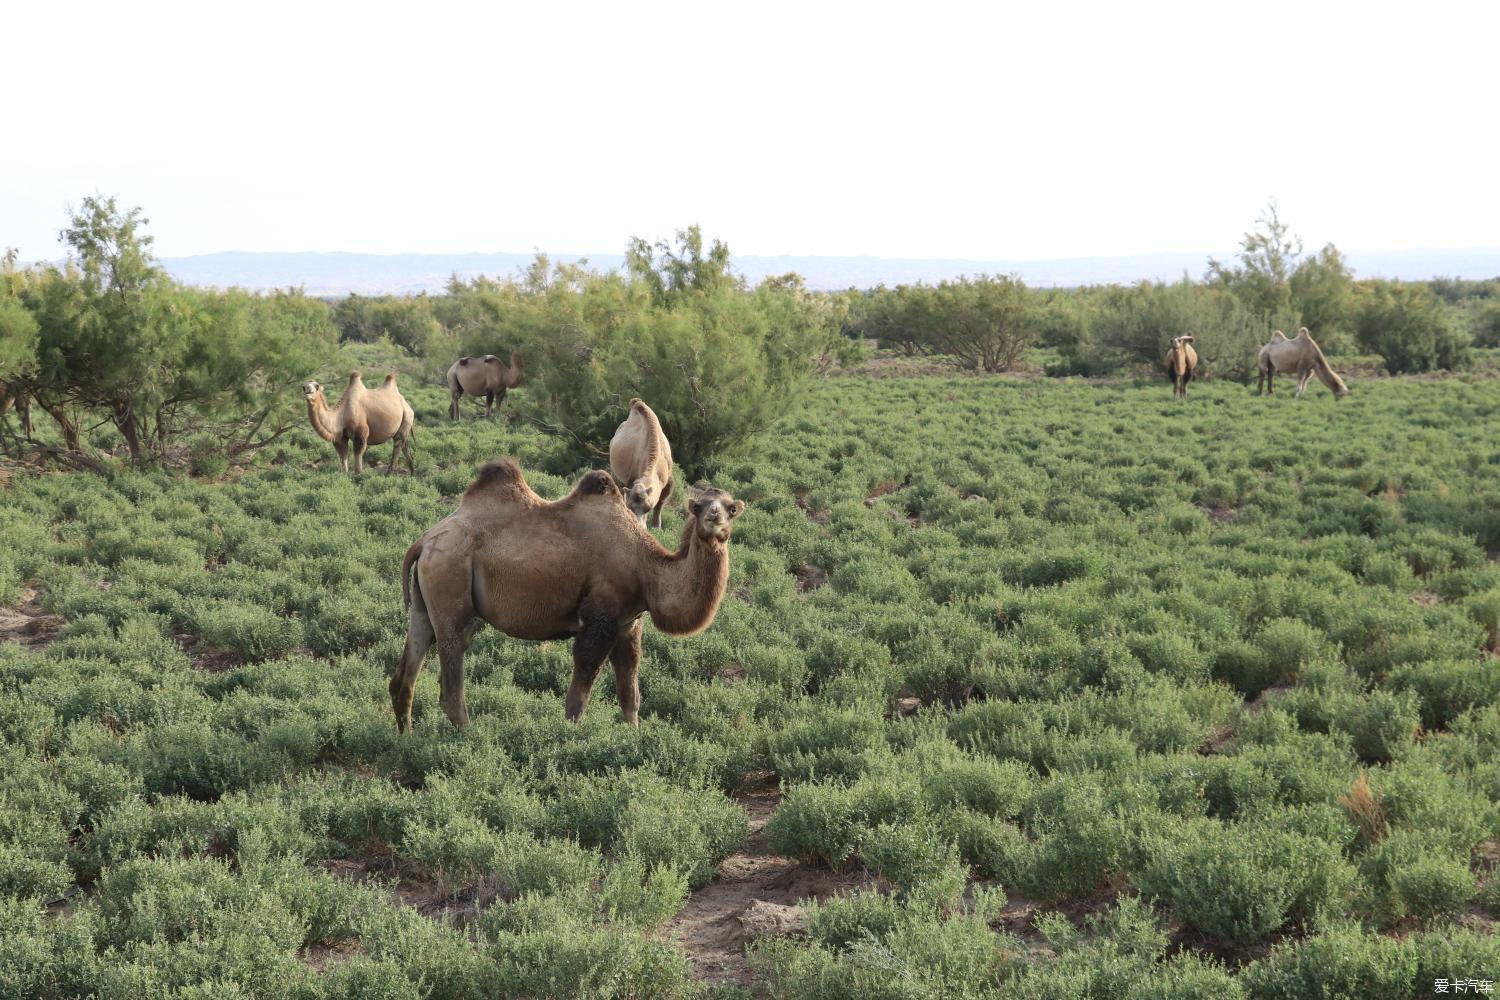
(363, 417)
(485, 377)
(580, 568)
(1301, 356)
(1181, 361)
(641, 459)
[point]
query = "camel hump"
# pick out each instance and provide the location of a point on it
(464, 360)
(596, 483)
(390, 378)
(490, 357)
(647, 414)
(354, 377)
(502, 473)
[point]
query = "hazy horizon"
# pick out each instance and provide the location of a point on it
(1074, 130)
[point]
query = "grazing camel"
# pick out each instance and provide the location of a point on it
(485, 377)
(641, 460)
(11, 397)
(363, 417)
(1181, 361)
(580, 568)
(1300, 356)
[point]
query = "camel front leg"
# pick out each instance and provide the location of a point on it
(342, 447)
(1302, 379)
(359, 445)
(452, 642)
(626, 657)
(666, 491)
(591, 647)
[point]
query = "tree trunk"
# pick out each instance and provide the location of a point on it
(69, 430)
(129, 429)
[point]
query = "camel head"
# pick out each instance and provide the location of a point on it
(312, 389)
(642, 497)
(713, 512)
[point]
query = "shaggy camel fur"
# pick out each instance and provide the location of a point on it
(1181, 361)
(1300, 356)
(580, 568)
(485, 377)
(363, 417)
(641, 460)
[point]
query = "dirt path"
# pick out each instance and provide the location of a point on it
(709, 929)
(27, 623)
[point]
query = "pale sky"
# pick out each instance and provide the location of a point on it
(915, 129)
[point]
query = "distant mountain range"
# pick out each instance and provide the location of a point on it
(409, 273)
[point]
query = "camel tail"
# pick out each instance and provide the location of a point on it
(412, 555)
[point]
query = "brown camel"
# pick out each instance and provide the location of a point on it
(641, 459)
(1181, 362)
(363, 417)
(1301, 356)
(485, 377)
(580, 568)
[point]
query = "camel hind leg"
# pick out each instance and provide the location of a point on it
(419, 638)
(454, 395)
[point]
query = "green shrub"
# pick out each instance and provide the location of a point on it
(1447, 688)
(1341, 963)
(1413, 879)
(257, 632)
(915, 858)
(1381, 725)
(1242, 882)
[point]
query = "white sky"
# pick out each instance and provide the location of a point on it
(912, 129)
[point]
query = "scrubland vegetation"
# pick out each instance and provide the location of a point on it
(1216, 677)
(1105, 694)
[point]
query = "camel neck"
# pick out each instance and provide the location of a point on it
(684, 591)
(317, 412)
